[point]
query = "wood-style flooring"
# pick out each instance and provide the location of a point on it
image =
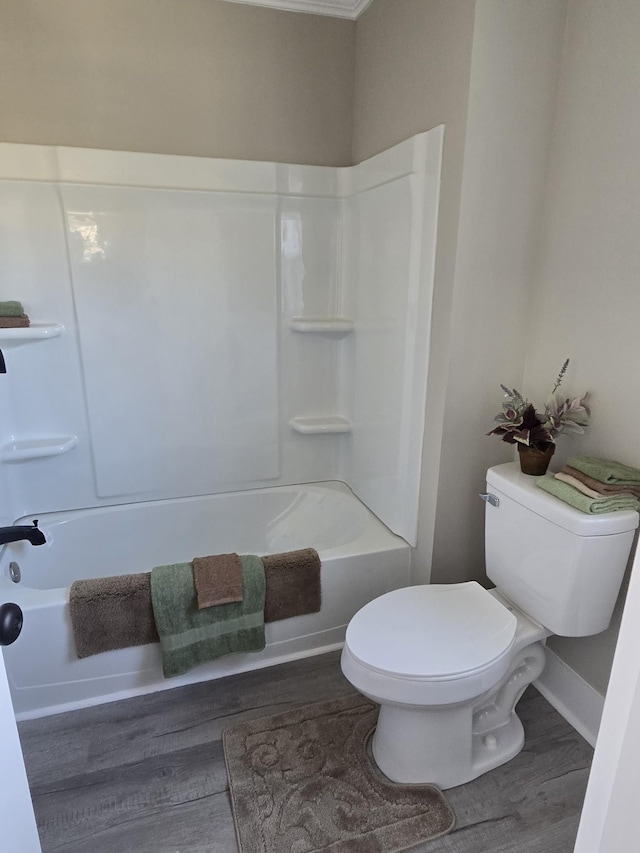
(148, 774)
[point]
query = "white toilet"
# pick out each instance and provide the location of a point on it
(448, 662)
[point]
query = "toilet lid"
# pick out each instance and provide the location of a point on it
(431, 632)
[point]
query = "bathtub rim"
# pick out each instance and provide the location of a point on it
(36, 597)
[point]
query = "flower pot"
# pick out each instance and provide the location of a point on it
(534, 461)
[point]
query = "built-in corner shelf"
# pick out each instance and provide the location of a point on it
(34, 332)
(37, 448)
(322, 325)
(320, 426)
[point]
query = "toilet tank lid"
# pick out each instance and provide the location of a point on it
(522, 489)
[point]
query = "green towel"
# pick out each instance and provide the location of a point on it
(584, 503)
(11, 309)
(606, 470)
(190, 636)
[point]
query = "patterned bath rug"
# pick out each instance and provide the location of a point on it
(302, 782)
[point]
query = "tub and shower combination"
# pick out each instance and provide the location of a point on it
(204, 333)
(360, 558)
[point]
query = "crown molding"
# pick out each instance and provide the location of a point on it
(350, 9)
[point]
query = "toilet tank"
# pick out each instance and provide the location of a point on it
(561, 566)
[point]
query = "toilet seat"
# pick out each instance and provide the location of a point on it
(432, 644)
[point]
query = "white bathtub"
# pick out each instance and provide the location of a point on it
(361, 559)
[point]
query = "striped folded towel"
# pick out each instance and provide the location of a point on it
(578, 484)
(593, 506)
(594, 488)
(606, 470)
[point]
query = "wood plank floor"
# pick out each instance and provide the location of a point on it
(148, 775)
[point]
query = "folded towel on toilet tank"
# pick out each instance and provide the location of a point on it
(190, 636)
(598, 485)
(584, 503)
(579, 485)
(606, 470)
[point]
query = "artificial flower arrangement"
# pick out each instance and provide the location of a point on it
(520, 424)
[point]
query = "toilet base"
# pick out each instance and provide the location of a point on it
(449, 745)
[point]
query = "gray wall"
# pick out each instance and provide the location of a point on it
(515, 66)
(587, 277)
(198, 77)
(413, 61)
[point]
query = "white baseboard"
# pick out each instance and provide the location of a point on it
(578, 702)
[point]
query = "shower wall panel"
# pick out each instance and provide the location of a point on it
(175, 295)
(393, 216)
(41, 394)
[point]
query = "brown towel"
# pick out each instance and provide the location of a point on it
(293, 584)
(579, 485)
(218, 579)
(112, 613)
(14, 322)
(603, 488)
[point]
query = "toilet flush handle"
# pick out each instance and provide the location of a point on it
(494, 500)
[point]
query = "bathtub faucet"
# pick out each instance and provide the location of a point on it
(22, 531)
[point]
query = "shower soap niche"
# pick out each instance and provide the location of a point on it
(322, 325)
(37, 448)
(34, 332)
(320, 425)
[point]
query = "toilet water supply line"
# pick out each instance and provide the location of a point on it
(527, 666)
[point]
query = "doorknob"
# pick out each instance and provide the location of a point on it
(10, 623)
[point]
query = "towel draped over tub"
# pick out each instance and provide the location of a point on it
(112, 613)
(190, 635)
(118, 612)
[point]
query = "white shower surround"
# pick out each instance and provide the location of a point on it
(178, 282)
(203, 329)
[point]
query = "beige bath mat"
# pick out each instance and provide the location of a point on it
(302, 781)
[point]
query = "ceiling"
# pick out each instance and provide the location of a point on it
(336, 8)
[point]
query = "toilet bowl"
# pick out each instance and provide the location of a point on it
(447, 663)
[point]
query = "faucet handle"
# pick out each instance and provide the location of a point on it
(35, 522)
